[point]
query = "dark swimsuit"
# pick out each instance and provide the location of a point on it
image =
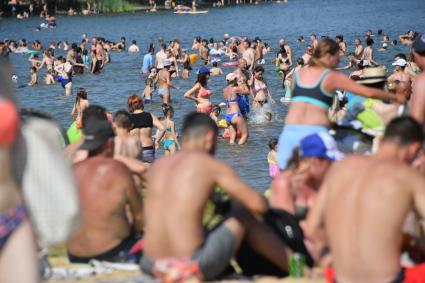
(140, 121)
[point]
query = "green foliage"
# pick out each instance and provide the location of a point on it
(114, 6)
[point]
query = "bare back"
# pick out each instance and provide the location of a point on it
(364, 213)
(103, 186)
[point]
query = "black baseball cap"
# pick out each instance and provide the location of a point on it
(96, 134)
(419, 44)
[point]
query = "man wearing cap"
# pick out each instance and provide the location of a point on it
(399, 72)
(362, 206)
(111, 207)
(164, 79)
(295, 190)
(418, 95)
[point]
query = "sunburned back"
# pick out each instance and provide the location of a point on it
(178, 188)
(102, 197)
(363, 218)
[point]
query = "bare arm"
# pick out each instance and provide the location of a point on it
(74, 109)
(341, 81)
(417, 110)
(134, 200)
(237, 189)
(418, 181)
(160, 127)
(173, 133)
(190, 92)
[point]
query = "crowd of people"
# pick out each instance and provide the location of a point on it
(345, 212)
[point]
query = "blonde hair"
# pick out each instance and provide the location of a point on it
(324, 47)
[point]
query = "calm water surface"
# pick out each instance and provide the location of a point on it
(270, 21)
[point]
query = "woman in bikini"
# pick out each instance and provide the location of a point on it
(234, 118)
(203, 94)
(164, 79)
(81, 103)
(260, 91)
(170, 141)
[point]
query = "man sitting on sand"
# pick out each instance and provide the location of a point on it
(179, 187)
(108, 229)
(361, 215)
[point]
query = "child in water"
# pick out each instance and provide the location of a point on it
(271, 158)
(50, 79)
(34, 79)
(170, 142)
(147, 92)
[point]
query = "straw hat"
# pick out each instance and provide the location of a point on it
(373, 75)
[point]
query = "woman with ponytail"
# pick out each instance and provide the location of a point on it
(313, 89)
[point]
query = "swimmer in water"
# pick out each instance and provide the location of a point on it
(368, 53)
(186, 64)
(81, 104)
(34, 78)
(170, 142)
(164, 79)
(358, 51)
(133, 47)
(260, 90)
(49, 79)
(216, 70)
(201, 91)
(271, 158)
(234, 117)
(147, 92)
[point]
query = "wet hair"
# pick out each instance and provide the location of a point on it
(401, 56)
(197, 124)
(122, 119)
(212, 40)
(369, 42)
(167, 109)
(93, 114)
(340, 37)
(379, 31)
(325, 46)
(133, 42)
(134, 103)
(215, 64)
(300, 61)
(259, 69)
(216, 108)
(394, 42)
(163, 46)
(202, 79)
(404, 131)
(151, 48)
(273, 143)
(81, 93)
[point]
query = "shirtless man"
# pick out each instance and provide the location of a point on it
(133, 47)
(365, 234)
(399, 72)
(314, 41)
(358, 51)
(106, 189)
(160, 56)
(164, 80)
(183, 183)
(243, 78)
(248, 54)
(418, 95)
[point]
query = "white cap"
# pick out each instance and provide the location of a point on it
(400, 62)
(384, 44)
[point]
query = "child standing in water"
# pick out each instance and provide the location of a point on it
(170, 141)
(271, 158)
(34, 79)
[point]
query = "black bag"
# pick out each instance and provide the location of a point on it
(286, 226)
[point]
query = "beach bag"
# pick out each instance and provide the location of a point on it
(47, 181)
(286, 227)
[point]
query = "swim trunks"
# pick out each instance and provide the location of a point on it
(117, 254)
(148, 154)
(213, 256)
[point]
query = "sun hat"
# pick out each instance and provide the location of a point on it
(320, 145)
(400, 62)
(373, 75)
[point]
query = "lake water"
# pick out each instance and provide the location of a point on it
(270, 21)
